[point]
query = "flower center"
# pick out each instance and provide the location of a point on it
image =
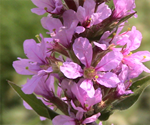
(89, 72)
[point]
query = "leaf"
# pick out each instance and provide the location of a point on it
(36, 104)
(127, 101)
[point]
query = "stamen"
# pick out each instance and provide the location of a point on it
(96, 77)
(144, 57)
(129, 29)
(38, 38)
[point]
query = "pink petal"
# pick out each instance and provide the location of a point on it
(91, 119)
(83, 50)
(110, 61)
(79, 29)
(87, 85)
(31, 84)
(71, 70)
(63, 120)
(38, 11)
(26, 67)
(141, 56)
(109, 80)
(102, 46)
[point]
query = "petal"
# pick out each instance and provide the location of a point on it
(38, 11)
(91, 119)
(109, 80)
(77, 108)
(26, 105)
(79, 29)
(110, 61)
(31, 84)
(26, 67)
(33, 51)
(103, 12)
(87, 85)
(83, 50)
(45, 87)
(63, 120)
(51, 24)
(68, 17)
(141, 56)
(135, 38)
(89, 6)
(71, 70)
(102, 46)
(95, 99)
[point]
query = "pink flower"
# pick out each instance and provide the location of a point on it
(50, 6)
(88, 17)
(123, 8)
(83, 50)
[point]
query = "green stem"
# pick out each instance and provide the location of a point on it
(60, 104)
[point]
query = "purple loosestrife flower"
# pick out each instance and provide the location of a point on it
(135, 61)
(123, 8)
(61, 33)
(83, 97)
(87, 15)
(49, 6)
(101, 73)
(36, 64)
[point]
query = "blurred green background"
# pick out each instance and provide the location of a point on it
(17, 23)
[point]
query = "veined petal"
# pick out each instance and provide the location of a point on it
(110, 61)
(95, 99)
(109, 80)
(87, 85)
(26, 67)
(71, 70)
(102, 46)
(92, 118)
(68, 17)
(33, 51)
(51, 24)
(141, 56)
(31, 84)
(45, 87)
(89, 6)
(38, 11)
(79, 29)
(103, 12)
(83, 50)
(63, 120)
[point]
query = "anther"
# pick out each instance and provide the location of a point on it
(38, 38)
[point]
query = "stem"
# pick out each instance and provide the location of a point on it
(60, 104)
(71, 4)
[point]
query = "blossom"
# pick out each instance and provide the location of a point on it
(61, 33)
(35, 65)
(50, 6)
(88, 17)
(83, 51)
(123, 8)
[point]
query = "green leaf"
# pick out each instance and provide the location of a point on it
(137, 87)
(36, 104)
(127, 101)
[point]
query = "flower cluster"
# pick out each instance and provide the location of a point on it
(87, 62)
